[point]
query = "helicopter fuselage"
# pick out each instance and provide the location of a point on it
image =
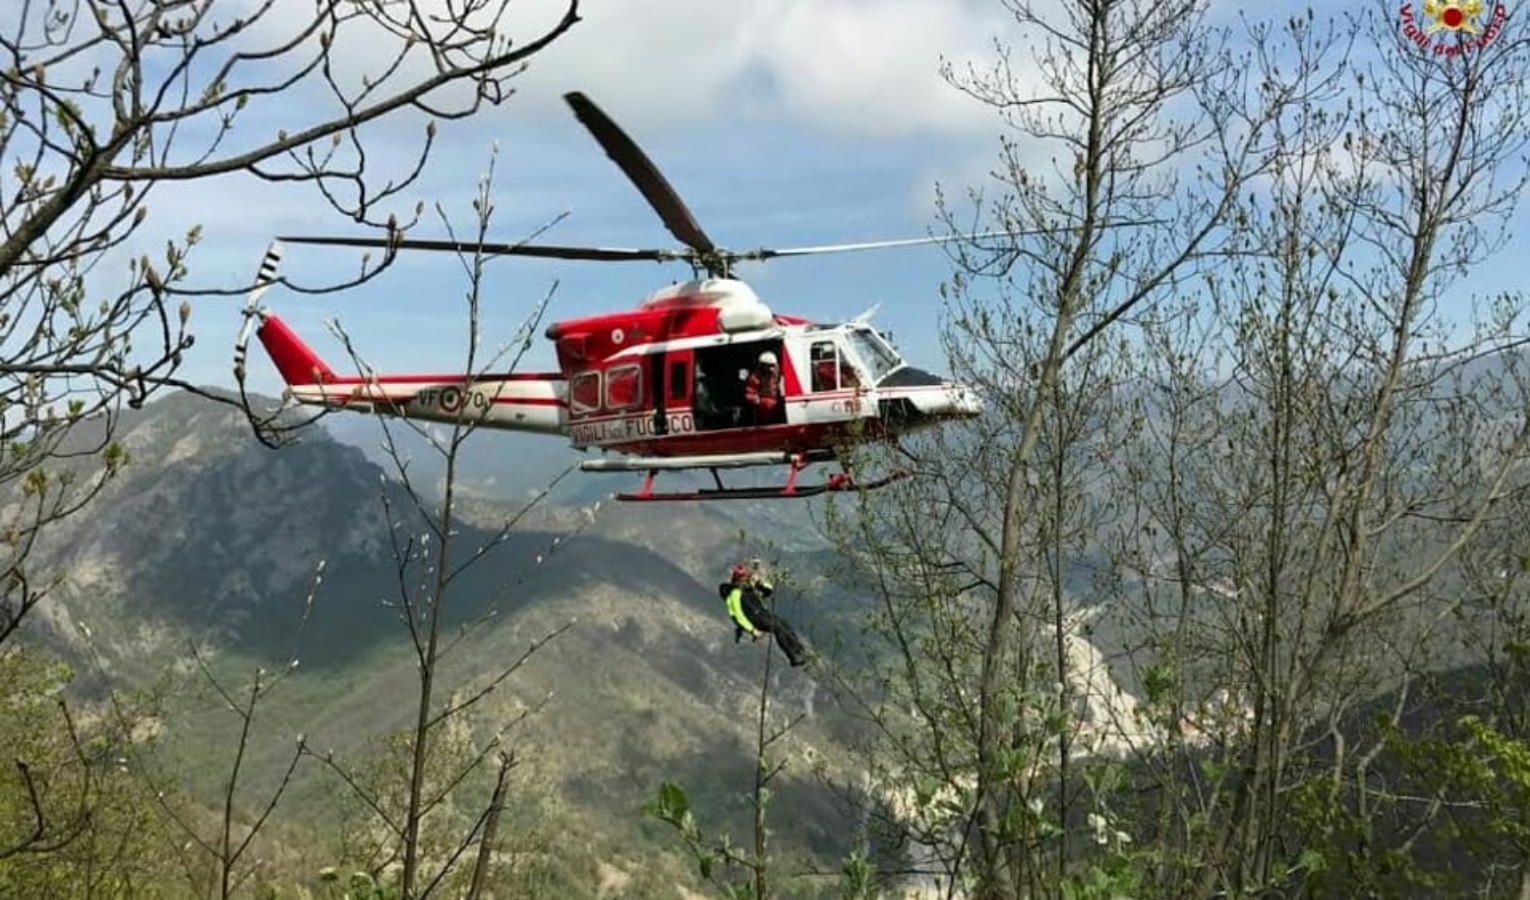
(666, 380)
(834, 414)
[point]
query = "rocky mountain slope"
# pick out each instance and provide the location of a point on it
(207, 537)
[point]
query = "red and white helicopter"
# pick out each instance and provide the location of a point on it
(662, 387)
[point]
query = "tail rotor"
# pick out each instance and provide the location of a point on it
(265, 277)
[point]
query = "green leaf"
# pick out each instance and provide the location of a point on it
(672, 796)
(670, 805)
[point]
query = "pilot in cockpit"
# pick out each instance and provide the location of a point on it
(832, 371)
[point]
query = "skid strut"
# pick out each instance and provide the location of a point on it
(839, 482)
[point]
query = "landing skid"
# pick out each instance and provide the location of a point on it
(839, 482)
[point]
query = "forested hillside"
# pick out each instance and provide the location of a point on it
(1222, 594)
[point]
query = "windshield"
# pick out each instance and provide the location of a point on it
(875, 356)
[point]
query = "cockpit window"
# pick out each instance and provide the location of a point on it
(877, 358)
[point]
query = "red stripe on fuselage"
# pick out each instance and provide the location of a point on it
(449, 380)
(497, 401)
(529, 401)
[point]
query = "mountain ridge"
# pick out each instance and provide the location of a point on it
(206, 538)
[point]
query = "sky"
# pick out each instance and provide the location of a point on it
(780, 123)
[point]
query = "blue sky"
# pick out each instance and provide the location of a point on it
(830, 126)
(780, 122)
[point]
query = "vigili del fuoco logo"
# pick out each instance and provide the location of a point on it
(1452, 28)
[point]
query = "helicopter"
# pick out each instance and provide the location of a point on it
(665, 386)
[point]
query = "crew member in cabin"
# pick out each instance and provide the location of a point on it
(745, 593)
(762, 392)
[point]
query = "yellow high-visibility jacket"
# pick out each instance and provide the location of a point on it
(735, 600)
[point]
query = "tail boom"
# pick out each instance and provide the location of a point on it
(518, 402)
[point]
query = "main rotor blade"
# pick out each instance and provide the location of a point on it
(548, 251)
(642, 173)
(764, 254)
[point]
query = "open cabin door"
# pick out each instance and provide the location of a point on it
(721, 373)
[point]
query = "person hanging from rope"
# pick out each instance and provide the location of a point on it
(745, 593)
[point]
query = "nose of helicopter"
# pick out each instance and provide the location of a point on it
(914, 399)
(954, 401)
(965, 403)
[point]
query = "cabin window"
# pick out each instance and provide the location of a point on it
(830, 371)
(584, 392)
(678, 388)
(624, 387)
(825, 365)
(876, 357)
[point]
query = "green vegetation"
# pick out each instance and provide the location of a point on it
(76, 818)
(1226, 596)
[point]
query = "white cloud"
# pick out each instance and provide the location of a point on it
(872, 65)
(857, 66)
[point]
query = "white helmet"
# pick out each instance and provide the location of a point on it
(767, 358)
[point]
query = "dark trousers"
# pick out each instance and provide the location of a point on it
(773, 625)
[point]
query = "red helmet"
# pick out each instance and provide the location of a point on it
(740, 572)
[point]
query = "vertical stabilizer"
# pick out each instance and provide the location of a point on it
(295, 360)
